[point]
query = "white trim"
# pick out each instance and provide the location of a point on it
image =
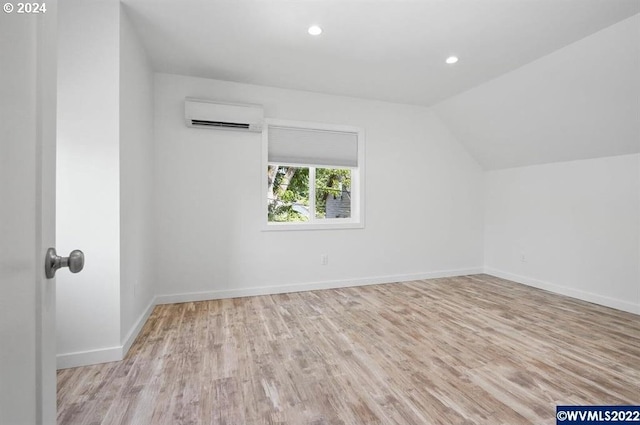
(312, 195)
(137, 327)
(89, 357)
(109, 354)
(563, 290)
(263, 195)
(329, 224)
(310, 286)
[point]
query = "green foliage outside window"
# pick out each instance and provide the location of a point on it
(288, 191)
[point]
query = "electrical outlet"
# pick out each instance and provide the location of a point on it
(324, 259)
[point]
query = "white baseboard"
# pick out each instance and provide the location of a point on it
(310, 286)
(109, 354)
(563, 290)
(89, 357)
(137, 327)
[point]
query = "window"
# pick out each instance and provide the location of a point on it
(313, 176)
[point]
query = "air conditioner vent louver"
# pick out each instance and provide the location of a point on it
(201, 113)
(219, 124)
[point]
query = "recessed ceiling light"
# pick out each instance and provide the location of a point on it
(451, 60)
(314, 30)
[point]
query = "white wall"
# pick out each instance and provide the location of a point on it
(136, 162)
(577, 224)
(580, 102)
(88, 193)
(423, 198)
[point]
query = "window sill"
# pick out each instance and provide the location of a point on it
(277, 227)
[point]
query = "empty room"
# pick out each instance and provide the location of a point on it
(320, 212)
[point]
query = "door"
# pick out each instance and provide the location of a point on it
(27, 207)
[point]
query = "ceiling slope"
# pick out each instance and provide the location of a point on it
(582, 101)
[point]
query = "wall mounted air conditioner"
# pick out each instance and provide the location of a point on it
(202, 113)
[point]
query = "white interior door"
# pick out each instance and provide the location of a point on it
(27, 222)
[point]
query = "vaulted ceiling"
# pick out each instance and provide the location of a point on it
(579, 102)
(395, 50)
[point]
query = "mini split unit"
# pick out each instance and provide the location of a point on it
(201, 113)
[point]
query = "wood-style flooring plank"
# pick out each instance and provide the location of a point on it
(465, 350)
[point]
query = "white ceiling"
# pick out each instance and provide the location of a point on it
(390, 50)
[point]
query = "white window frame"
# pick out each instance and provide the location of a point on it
(356, 221)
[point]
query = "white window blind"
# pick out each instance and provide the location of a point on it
(289, 145)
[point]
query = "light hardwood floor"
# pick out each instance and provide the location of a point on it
(466, 350)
